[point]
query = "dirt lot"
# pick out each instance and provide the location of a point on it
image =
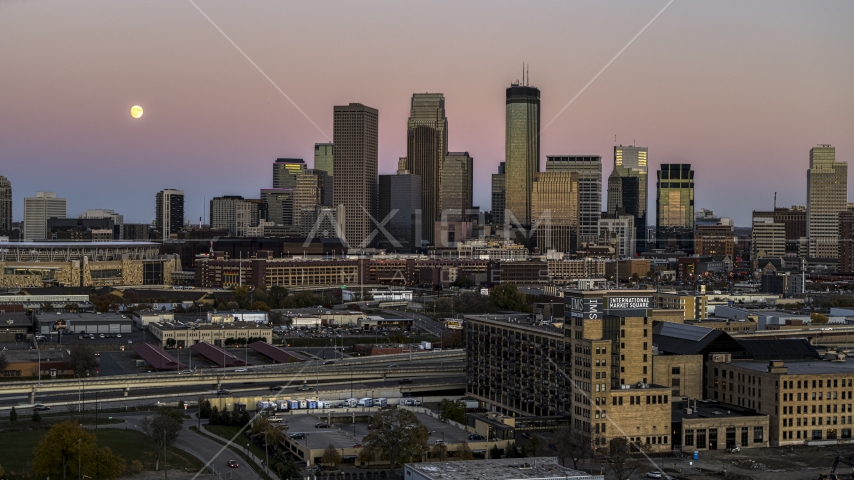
(790, 463)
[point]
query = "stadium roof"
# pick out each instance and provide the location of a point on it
(682, 339)
(779, 349)
(274, 353)
(217, 355)
(157, 357)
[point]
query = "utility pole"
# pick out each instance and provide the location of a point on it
(79, 461)
(165, 475)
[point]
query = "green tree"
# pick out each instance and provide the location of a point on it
(241, 296)
(244, 418)
(171, 342)
(495, 452)
(507, 297)
(68, 444)
(276, 296)
(463, 281)
(37, 417)
(13, 415)
(331, 457)
(4, 362)
(452, 410)
(285, 466)
(162, 430)
(215, 418)
(301, 300)
(819, 318)
(82, 358)
(397, 337)
(510, 451)
(259, 305)
(397, 436)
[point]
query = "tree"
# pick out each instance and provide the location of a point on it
(635, 278)
(819, 318)
(205, 411)
(622, 459)
(495, 452)
(301, 300)
(259, 305)
(331, 458)
(452, 338)
(162, 430)
(507, 297)
(510, 451)
(240, 295)
(13, 415)
(463, 452)
(65, 445)
(214, 418)
(171, 342)
(285, 466)
(452, 410)
(533, 447)
(569, 445)
(397, 337)
(82, 358)
(4, 362)
(463, 281)
(397, 436)
(276, 296)
(37, 417)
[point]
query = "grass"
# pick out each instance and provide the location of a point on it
(16, 450)
(25, 422)
(222, 434)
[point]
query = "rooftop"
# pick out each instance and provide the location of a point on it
(812, 367)
(15, 320)
(499, 469)
(85, 317)
(207, 326)
(518, 319)
(708, 409)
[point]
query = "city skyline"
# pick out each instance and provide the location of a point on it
(203, 118)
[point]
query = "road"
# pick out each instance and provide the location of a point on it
(421, 321)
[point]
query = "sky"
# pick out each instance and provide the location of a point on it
(740, 90)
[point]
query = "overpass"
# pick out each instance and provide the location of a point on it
(421, 365)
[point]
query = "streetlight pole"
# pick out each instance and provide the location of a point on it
(96, 409)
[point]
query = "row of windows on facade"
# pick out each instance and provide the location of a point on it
(758, 436)
(790, 422)
(816, 434)
(820, 409)
(790, 397)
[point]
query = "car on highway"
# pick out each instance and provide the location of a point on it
(322, 425)
(241, 370)
(185, 372)
(303, 388)
(97, 354)
(223, 391)
(653, 474)
(393, 365)
(404, 380)
(232, 464)
(329, 362)
(40, 407)
(275, 388)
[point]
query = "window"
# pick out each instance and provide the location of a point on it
(674, 371)
(689, 438)
(758, 434)
(701, 438)
(816, 434)
(744, 436)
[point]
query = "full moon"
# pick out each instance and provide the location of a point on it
(136, 111)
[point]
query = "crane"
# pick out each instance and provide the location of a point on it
(832, 475)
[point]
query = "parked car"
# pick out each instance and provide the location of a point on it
(653, 474)
(102, 336)
(185, 372)
(40, 407)
(733, 450)
(232, 463)
(304, 388)
(118, 335)
(297, 436)
(404, 380)
(475, 436)
(97, 354)
(322, 425)
(241, 370)
(526, 435)
(329, 362)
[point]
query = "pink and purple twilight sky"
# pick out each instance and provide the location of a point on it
(741, 90)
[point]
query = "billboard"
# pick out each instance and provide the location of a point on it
(629, 306)
(586, 308)
(453, 324)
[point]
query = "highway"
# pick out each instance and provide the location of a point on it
(385, 370)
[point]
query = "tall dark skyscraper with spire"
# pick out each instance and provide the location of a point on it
(521, 149)
(5, 206)
(426, 146)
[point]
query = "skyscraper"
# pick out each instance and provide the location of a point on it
(37, 210)
(355, 164)
(286, 170)
(498, 195)
(554, 206)
(426, 144)
(5, 206)
(118, 220)
(455, 187)
(627, 188)
(324, 158)
(589, 169)
(401, 192)
(313, 190)
(675, 207)
(846, 240)
(827, 195)
(169, 212)
(521, 150)
(235, 214)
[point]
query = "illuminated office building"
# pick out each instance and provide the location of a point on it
(627, 188)
(675, 207)
(426, 145)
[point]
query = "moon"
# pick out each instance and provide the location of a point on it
(136, 111)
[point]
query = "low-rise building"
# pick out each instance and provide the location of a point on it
(709, 425)
(79, 323)
(141, 318)
(187, 334)
(693, 305)
(535, 468)
(15, 327)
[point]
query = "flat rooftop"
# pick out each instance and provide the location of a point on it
(209, 326)
(802, 367)
(499, 469)
(702, 409)
(518, 320)
(86, 317)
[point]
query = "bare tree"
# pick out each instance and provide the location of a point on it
(569, 445)
(624, 458)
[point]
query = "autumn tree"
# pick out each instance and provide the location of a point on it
(819, 318)
(162, 430)
(258, 305)
(240, 295)
(68, 444)
(397, 436)
(463, 452)
(331, 457)
(285, 466)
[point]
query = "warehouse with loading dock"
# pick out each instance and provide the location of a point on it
(78, 323)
